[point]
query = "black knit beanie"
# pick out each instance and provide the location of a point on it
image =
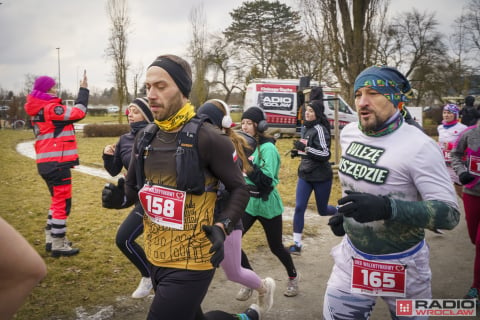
(318, 107)
(469, 100)
(253, 113)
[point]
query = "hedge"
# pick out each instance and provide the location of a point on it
(105, 130)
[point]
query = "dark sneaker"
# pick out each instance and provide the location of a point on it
(471, 294)
(253, 312)
(294, 249)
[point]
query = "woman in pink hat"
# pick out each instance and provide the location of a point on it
(56, 153)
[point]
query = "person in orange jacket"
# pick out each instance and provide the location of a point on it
(56, 153)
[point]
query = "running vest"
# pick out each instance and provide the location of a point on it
(190, 175)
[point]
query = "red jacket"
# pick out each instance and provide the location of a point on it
(56, 143)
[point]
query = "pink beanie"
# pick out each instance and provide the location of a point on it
(43, 84)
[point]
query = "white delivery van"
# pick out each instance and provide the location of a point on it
(279, 99)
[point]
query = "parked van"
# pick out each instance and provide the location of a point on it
(280, 99)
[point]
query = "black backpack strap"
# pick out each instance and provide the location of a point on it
(189, 169)
(143, 148)
(190, 174)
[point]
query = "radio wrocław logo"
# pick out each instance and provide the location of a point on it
(436, 307)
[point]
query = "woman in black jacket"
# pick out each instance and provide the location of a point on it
(315, 172)
(115, 158)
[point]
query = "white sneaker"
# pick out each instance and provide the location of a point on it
(143, 288)
(244, 294)
(265, 301)
(292, 287)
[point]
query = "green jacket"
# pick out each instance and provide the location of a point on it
(269, 164)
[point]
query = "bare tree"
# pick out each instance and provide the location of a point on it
(439, 79)
(28, 83)
(137, 75)
(198, 53)
(460, 49)
(415, 46)
(467, 36)
(225, 67)
(316, 43)
(458, 39)
(349, 32)
(417, 41)
(117, 48)
(472, 23)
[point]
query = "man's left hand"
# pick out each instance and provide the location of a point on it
(216, 236)
(365, 207)
(113, 196)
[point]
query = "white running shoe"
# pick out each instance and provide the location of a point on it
(265, 301)
(143, 289)
(292, 287)
(244, 294)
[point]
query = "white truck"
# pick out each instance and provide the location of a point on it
(279, 99)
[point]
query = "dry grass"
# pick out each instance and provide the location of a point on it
(100, 272)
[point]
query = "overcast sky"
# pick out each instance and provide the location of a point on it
(31, 30)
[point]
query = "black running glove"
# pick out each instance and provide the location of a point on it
(216, 236)
(365, 207)
(299, 145)
(293, 153)
(261, 181)
(336, 224)
(466, 177)
(113, 196)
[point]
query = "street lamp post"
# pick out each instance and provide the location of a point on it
(58, 59)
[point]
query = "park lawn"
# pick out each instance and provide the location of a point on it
(100, 273)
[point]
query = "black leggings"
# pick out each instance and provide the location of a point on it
(178, 293)
(273, 231)
(128, 232)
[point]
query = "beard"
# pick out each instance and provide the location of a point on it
(372, 123)
(166, 110)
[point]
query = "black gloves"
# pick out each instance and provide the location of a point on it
(299, 145)
(466, 177)
(336, 224)
(216, 236)
(113, 196)
(261, 181)
(365, 207)
(293, 153)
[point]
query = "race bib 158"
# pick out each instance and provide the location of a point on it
(164, 206)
